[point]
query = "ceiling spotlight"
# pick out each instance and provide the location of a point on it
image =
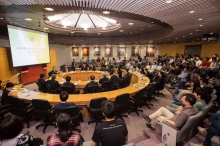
(191, 12)
(28, 19)
(49, 9)
(98, 33)
(211, 33)
(142, 29)
(1, 18)
(46, 28)
(200, 18)
(106, 12)
(184, 36)
(149, 26)
(121, 30)
(200, 25)
(130, 23)
(176, 38)
(103, 28)
(168, 1)
(152, 22)
(197, 30)
(190, 33)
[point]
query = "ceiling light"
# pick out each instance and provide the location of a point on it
(152, 22)
(211, 33)
(1, 18)
(191, 12)
(168, 1)
(106, 12)
(33, 28)
(176, 38)
(184, 36)
(142, 29)
(46, 28)
(130, 23)
(197, 39)
(49, 9)
(72, 32)
(103, 28)
(200, 25)
(149, 26)
(174, 42)
(167, 39)
(28, 19)
(98, 33)
(197, 30)
(190, 33)
(121, 30)
(200, 18)
(64, 26)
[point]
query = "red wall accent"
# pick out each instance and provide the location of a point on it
(33, 73)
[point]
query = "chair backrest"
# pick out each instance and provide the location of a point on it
(95, 103)
(187, 127)
(129, 81)
(68, 89)
(107, 85)
(123, 83)
(18, 105)
(92, 89)
(40, 104)
(49, 89)
(214, 98)
(102, 69)
(122, 101)
(139, 96)
(72, 111)
(206, 109)
(40, 87)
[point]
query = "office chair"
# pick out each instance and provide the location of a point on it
(122, 103)
(106, 86)
(92, 89)
(70, 90)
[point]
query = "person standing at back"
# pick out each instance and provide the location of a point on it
(112, 132)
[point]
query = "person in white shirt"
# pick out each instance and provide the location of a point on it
(198, 62)
(154, 66)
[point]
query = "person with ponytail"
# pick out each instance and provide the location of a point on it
(65, 136)
(112, 132)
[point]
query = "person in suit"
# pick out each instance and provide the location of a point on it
(53, 83)
(92, 67)
(53, 71)
(42, 81)
(84, 67)
(119, 72)
(115, 80)
(103, 79)
(66, 68)
(91, 83)
(63, 104)
(68, 83)
(159, 80)
(127, 75)
(108, 69)
(73, 65)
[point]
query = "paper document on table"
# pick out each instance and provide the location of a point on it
(28, 95)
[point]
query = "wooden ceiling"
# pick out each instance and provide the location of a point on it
(153, 19)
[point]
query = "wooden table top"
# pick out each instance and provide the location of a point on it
(137, 83)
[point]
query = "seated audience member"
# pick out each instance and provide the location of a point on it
(87, 60)
(198, 62)
(98, 60)
(200, 101)
(10, 133)
(159, 67)
(154, 66)
(148, 66)
(214, 55)
(177, 70)
(7, 94)
(183, 79)
(84, 67)
(176, 120)
(119, 72)
(65, 136)
(147, 73)
(82, 60)
(213, 68)
(91, 83)
(66, 68)
(73, 65)
(53, 71)
(92, 67)
(42, 81)
(205, 63)
(103, 79)
(112, 132)
(63, 98)
(127, 74)
(53, 83)
(192, 68)
(159, 80)
(108, 69)
(212, 130)
(115, 80)
(68, 83)
(164, 68)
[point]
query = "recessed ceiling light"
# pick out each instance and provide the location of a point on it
(197, 30)
(152, 22)
(201, 25)
(28, 19)
(130, 23)
(167, 39)
(142, 29)
(174, 42)
(103, 28)
(98, 33)
(176, 38)
(190, 33)
(211, 33)
(191, 12)
(149, 26)
(184, 36)
(117, 34)
(33, 28)
(49, 9)
(1, 18)
(197, 39)
(106, 12)
(121, 30)
(46, 28)
(200, 18)
(72, 32)
(168, 1)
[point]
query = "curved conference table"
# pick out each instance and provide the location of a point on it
(137, 82)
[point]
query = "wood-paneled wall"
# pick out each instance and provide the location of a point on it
(53, 60)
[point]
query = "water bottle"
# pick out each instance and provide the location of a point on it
(164, 139)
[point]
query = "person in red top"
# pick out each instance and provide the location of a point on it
(205, 63)
(64, 136)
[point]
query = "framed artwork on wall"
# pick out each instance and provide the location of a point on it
(97, 51)
(135, 51)
(121, 51)
(75, 51)
(150, 51)
(108, 51)
(85, 51)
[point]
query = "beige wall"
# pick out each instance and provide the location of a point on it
(208, 48)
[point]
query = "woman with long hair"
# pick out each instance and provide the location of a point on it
(65, 135)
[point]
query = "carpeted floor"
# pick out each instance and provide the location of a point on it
(135, 124)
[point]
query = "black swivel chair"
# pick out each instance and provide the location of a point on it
(95, 110)
(122, 103)
(159, 88)
(41, 88)
(92, 89)
(4, 110)
(106, 86)
(69, 90)
(49, 89)
(149, 94)
(123, 83)
(137, 99)
(42, 108)
(74, 113)
(21, 109)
